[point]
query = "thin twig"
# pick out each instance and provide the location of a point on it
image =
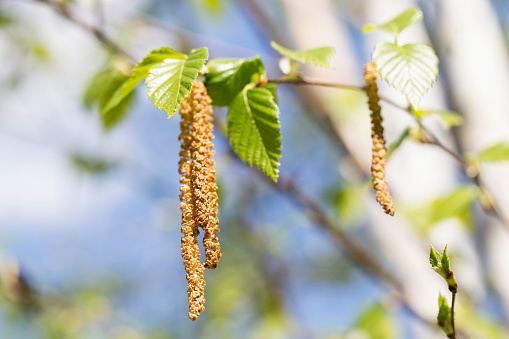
(63, 10)
(453, 302)
(429, 136)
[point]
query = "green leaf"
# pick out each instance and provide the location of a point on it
(449, 118)
(317, 56)
(254, 129)
(435, 258)
(395, 26)
(227, 77)
(375, 321)
(169, 80)
(441, 264)
(349, 202)
(411, 69)
(444, 317)
(140, 72)
(495, 153)
(446, 262)
(90, 165)
(99, 92)
(396, 144)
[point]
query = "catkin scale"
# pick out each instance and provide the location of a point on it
(378, 160)
(198, 193)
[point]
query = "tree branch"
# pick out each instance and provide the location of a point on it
(428, 138)
(63, 9)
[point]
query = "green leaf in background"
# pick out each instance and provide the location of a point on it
(449, 118)
(411, 69)
(254, 129)
(227, 77)
(100, 90)
(349, 201)
(409, 17)
(140, 72)
(317, 56)
(396, 144)
(495, 153)
(89, 164)
(169, 81)
(377, 324)
(454, 205)
(444, 317)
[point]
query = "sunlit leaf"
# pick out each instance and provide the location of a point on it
(395, 26)
(411, 69)
(317, 56)
(254, 129)
(169, 81)
(495, 153)
(448, 118)
(227, 77)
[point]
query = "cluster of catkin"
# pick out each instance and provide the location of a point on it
(198, 197)
(378, 160)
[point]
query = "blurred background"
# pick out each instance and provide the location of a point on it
(89, 215)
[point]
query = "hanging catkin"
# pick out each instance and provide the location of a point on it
(377, 134)
(198, 198)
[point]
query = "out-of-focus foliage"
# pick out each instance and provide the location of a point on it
(317, 56)
(90, 164)
(448, 118)
(102, 87)
(409, 17)
(495, 153)
(377, 323)
(454, 205)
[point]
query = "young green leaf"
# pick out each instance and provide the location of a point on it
(395, 26)
(441, 264)
(317, 56)
(411, 69)
(495, 153)
(227, 77)
(446, 262)
(254, 129)
(435, 258)
(444, 317)
(169, 80)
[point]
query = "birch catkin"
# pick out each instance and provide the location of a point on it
(198, 198)
(377, 134)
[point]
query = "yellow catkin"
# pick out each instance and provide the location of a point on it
(198, 193)
(377, 134)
